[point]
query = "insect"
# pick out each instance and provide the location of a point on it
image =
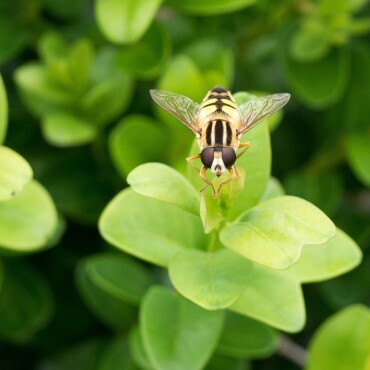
(218, 124)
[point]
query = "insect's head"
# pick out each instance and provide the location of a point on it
(218, 159)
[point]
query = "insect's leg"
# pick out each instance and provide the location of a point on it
(202, 175)
(189, 159)
(233, 174)
(245, 146)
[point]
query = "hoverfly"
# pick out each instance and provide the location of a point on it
(218, 124)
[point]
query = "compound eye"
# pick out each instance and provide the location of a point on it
(228, 157)
(207, 157)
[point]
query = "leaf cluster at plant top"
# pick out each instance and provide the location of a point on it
(158, 275)
(74, 91)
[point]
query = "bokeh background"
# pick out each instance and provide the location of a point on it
(77, 75)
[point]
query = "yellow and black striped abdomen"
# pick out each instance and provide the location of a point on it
(219, 133)
(218, 101)
(218, 109)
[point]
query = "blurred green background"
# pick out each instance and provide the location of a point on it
(76, 77)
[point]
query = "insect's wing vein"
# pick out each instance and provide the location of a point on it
(256, 110)
(180, 106)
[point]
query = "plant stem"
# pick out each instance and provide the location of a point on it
(291, 350)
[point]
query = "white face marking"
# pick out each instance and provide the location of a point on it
(218, 166)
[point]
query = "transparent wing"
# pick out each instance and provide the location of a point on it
(183, 108)
(258, 109)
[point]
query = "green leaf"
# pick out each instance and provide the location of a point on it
(116, 356)
(324, 189)
(125, 21)
(321, 262)
(137, 349)
(52, 47)
(358, 151)
(243, 337)
(273, 190)
(68, 67)
(110, 308)
(342, 342)
(212, 54)
(80, 58)
(81, 356)
(274, 232)
(148, 228)
(210, 211)
(1, 274)
(317, 84)
(209, 7)
(65, 9)
(3, 111)
(78, 200)
(333, 7)
(38, 92)
(220, 362)
(309, 45)
(119, 276)
(158, 181)
(212, 280)
(359, 26)
(347, 289)
(177, 334)
(14, 36)
(123, 146)
(28, 222)
(355, 108)
(147, 57)
(64, 129)
(274, 298)
(108, 98)
(15, 173)
(26, 303)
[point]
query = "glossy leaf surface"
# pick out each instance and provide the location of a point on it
(212, 280)
(118, 276)
(278, 303)
(3, 111)
(177, 334)
(274, 232)
(321, 262)
(163, 229)
(26, 303)
(358, 149)
(15, 173)
(28, 221)
(123, 143)
(342, 342)
(161, 182)
(208, 7)
(243, 337)
(125, 21)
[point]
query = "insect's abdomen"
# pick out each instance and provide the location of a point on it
(218, 101)
(218, 109)
(218, 133)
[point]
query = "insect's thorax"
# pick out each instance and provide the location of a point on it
(218, 119)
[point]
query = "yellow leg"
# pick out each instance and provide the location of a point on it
(245, 146)
(202, 172)
(202, 175)
(233, 174)
(189, 159)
